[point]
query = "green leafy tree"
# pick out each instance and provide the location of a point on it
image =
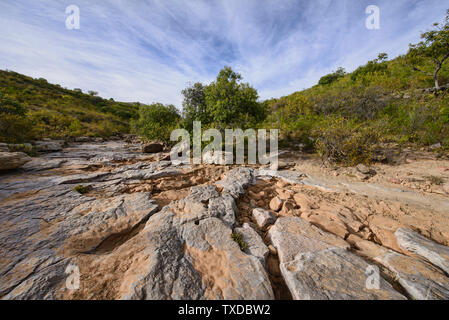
(434, 45)
(229, 102)
(156, 122)
(194, 106)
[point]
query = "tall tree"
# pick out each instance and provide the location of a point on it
(435, 45)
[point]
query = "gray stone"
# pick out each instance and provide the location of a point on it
(263, 217)
(316, 264)
(237, 180)
(255, 245)
(13, 160)
(433, 252)
(420, 280)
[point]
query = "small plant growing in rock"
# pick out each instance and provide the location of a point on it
(435, 180)
(237, 237)
(81, 189)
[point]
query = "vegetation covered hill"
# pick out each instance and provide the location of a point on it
(34, 109)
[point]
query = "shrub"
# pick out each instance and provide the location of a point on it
(238, 238)
(345, 143)
(156, 122)
(81, 189)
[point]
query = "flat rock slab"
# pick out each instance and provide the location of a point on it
(433, 252)
(316, 264)
(419, 279)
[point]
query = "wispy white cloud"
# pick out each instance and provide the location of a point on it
(150, 50)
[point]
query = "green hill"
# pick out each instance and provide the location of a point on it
(347, 114)
(35, 109)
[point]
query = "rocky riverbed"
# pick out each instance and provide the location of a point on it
(144, 228)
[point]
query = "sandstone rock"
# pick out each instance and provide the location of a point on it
(153, 147)
(263, 217)
(334, 226)
(288, 208)
(47, 146)
(276, 204)
(316, 264)
(446, 188)
(364, 169)
(384, 229)
(415, 243)
(255, 245)
(13, 160)
(302, 201)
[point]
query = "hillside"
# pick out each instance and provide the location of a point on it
(56, 112)
(382, 101)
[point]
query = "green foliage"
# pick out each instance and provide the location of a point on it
(156, 122)
(332, 77)
(224, 103)
(343, 142)
(35, 109)
(238, 238)
(81, 189)
(434, 46)
(376, 66)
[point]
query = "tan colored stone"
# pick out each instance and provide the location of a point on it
(276, 204)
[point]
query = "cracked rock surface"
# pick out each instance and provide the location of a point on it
(145, 228)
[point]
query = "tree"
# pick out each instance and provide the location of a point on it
(194, 106)
(232, 103)
(435, 45)
(332, 77)
(156, 121)
(92, 93)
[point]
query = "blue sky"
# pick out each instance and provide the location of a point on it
(148, 51)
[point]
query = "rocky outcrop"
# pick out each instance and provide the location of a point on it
(316, 264)
(13, 160)
(47, 146)
(431, 251)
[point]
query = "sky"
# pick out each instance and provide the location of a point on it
(148, 51)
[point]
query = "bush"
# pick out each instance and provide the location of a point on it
(156, 122)
(344, 143)
(238, 238)
(81, 189)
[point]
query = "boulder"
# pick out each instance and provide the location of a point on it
(317, 265)
(152, 147)
(263, 217)
(13, 160)
(276, 204)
